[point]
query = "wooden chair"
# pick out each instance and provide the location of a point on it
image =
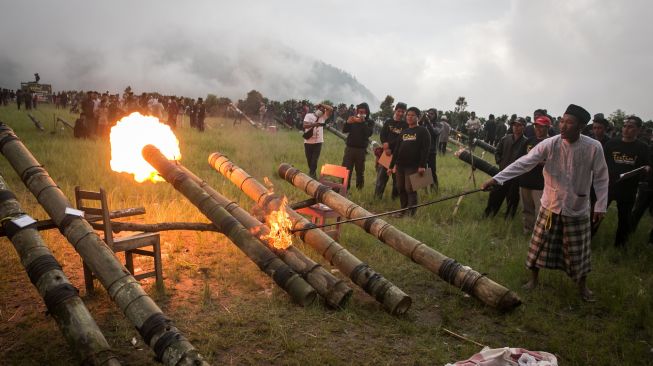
(336, 177)
(130, 244)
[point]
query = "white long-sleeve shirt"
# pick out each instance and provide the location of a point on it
(568, 172)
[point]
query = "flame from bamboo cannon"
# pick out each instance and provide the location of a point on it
(448, 269)
(300, 291)
(485, 146)
(335, 292)
(61, 298)
(477, 162)
(394, 300)
(159, 333)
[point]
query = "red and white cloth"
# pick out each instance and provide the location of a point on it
(508, 357)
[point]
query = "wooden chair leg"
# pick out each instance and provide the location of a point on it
(158, 266)
(129, 261)
(88, 280)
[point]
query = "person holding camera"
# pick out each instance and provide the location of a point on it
(359, 129)
(314, 135)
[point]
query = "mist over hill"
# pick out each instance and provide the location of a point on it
(184, 65)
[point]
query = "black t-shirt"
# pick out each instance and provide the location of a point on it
(534, 178)
(391, 130)
(412, 148)
(623, 157)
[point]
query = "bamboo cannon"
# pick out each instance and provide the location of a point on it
(335, 292)
(167, 342)
(36, 122)
(477, 163)
(463, 277)
(394, 300)
(485, 146)
(61, 298)
(300, 291)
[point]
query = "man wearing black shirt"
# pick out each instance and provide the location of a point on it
(409, 157)
(600, 127)
(509, 149)
(531, 184)
(430, 122)
(623, 155)
(389, 135)
(359, 129)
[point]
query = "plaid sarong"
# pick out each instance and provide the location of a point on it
(564, 244)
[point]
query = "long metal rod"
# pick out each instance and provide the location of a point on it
(391, 212)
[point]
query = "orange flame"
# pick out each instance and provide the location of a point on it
(130, 135)
(280, 226)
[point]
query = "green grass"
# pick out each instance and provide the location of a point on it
(234, 314)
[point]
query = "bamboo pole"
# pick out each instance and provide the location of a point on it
(394, 300)
(159, 333)
(485, 146)
(61, 298)
(300, 291)
(477, 163)
(335, 292)
(463, 277)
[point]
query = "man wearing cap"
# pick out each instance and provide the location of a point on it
(622, 155)
(444, 134)
(409, 157)
(390, 131)
(313, 144)
(358, 128)
(561, 238)
(509, 149)
(531, 184)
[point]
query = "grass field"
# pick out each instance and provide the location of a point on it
(234, 314)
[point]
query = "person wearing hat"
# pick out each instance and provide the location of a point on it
(561, 238)
(389, 135)
(622, 155)
(409, 157)
(509, 149)
(600, 127)
(444, 134)
(531, 184)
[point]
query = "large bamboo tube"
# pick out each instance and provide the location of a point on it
(335, 292)
(448, 269)
(300, 291)
(485, 146)
(393, 299)
(61, 298)
(168, 344)
(477, 162)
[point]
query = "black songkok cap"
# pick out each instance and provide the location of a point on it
(416, 110)
(579, 112)
(401, 105)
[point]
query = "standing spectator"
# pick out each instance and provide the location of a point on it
(600, 127)
(27, 99)
(200, 114)
(19, 98)
(409, 157)
(444, 135)
(531, 184)
(389, 136)
(561, 238)
(473, 126)
(623, 155)
(157, 109)
(90, 118)
(358, 128)
(173, 110)
(490, 130)
(261, 113)
(530, 128)
(431, 124)
(103, 118)
(509, 149)
(313, 144)
(644, 198)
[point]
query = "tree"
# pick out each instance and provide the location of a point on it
(387, 107)
(252, 102)
(211, 104)
(617, 118)
(461, 104)
(459, 115)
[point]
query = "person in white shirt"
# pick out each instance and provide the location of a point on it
(562, 235)
(314, 126)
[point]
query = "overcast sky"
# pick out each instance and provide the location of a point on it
(503, 56)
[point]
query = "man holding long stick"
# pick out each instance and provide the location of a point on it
(562, 235)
